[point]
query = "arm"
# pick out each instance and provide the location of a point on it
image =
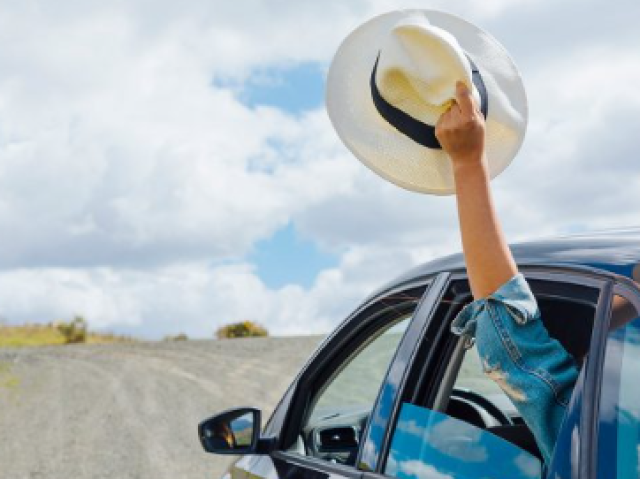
(461, 133)
(515, 348)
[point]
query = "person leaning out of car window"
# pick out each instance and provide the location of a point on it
(515, 349)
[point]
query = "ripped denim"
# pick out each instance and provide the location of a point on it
(515, 349)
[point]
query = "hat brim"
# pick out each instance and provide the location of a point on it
(385, 150)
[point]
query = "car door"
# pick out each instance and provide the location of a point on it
(331, 402)
(617, 422)
(449, 420)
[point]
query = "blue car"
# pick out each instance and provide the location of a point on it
(393, 393)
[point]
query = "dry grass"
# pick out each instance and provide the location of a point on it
(106, 338)
(48, 334)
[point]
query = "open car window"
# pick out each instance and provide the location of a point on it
(356, 385)
(431, 444)
(340, 411)
(470, 407)
(471, 384)
(343, 393)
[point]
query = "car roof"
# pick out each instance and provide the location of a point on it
(616, 251)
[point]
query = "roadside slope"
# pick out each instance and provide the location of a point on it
(131, 410)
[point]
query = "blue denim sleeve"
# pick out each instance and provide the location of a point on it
(516, 352)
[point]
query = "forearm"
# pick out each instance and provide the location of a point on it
(487, 255)
(460, 131)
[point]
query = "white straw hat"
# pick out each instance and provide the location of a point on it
(394, 76)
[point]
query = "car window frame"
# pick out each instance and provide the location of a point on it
(579, 457)
(627, 288)
(577, 274)
(324, 379)
(329, 352)
(376, 434)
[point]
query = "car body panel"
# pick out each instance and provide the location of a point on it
(614, 251)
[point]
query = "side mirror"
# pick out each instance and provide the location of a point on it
(236, 431)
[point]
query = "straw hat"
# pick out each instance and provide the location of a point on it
(394, 76)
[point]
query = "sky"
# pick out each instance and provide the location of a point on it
(169, 167)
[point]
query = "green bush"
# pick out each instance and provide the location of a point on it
(74, 331)
(243, 329)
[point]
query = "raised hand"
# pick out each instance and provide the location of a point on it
(460, 129)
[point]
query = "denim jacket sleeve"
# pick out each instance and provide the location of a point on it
(516, 351)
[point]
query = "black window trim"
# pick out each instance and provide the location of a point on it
(401, 365)
(323, 379)
(588, 425)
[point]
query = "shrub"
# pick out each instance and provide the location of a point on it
(74, 331)
(243, 329)
(177, 337)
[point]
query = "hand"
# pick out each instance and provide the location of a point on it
(460, 129)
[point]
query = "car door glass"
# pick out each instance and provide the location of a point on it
(619, 430)
(341, 408)
(429, 444)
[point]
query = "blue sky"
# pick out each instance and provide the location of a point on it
(286, 258)
(294, 89)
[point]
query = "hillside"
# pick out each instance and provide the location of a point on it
(49, 334)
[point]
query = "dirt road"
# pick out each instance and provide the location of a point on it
(131, 411)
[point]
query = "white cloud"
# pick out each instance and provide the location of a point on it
(125, 168)
(421, 470)
(528, 465)
(445, 435)
(193, 297)
(578, 151)
(116, 147)
(439, 434)
(411, 427)
(370, 450)
(391, 468)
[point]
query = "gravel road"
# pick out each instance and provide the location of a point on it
(131, 410)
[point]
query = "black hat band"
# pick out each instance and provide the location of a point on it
(418, 131)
